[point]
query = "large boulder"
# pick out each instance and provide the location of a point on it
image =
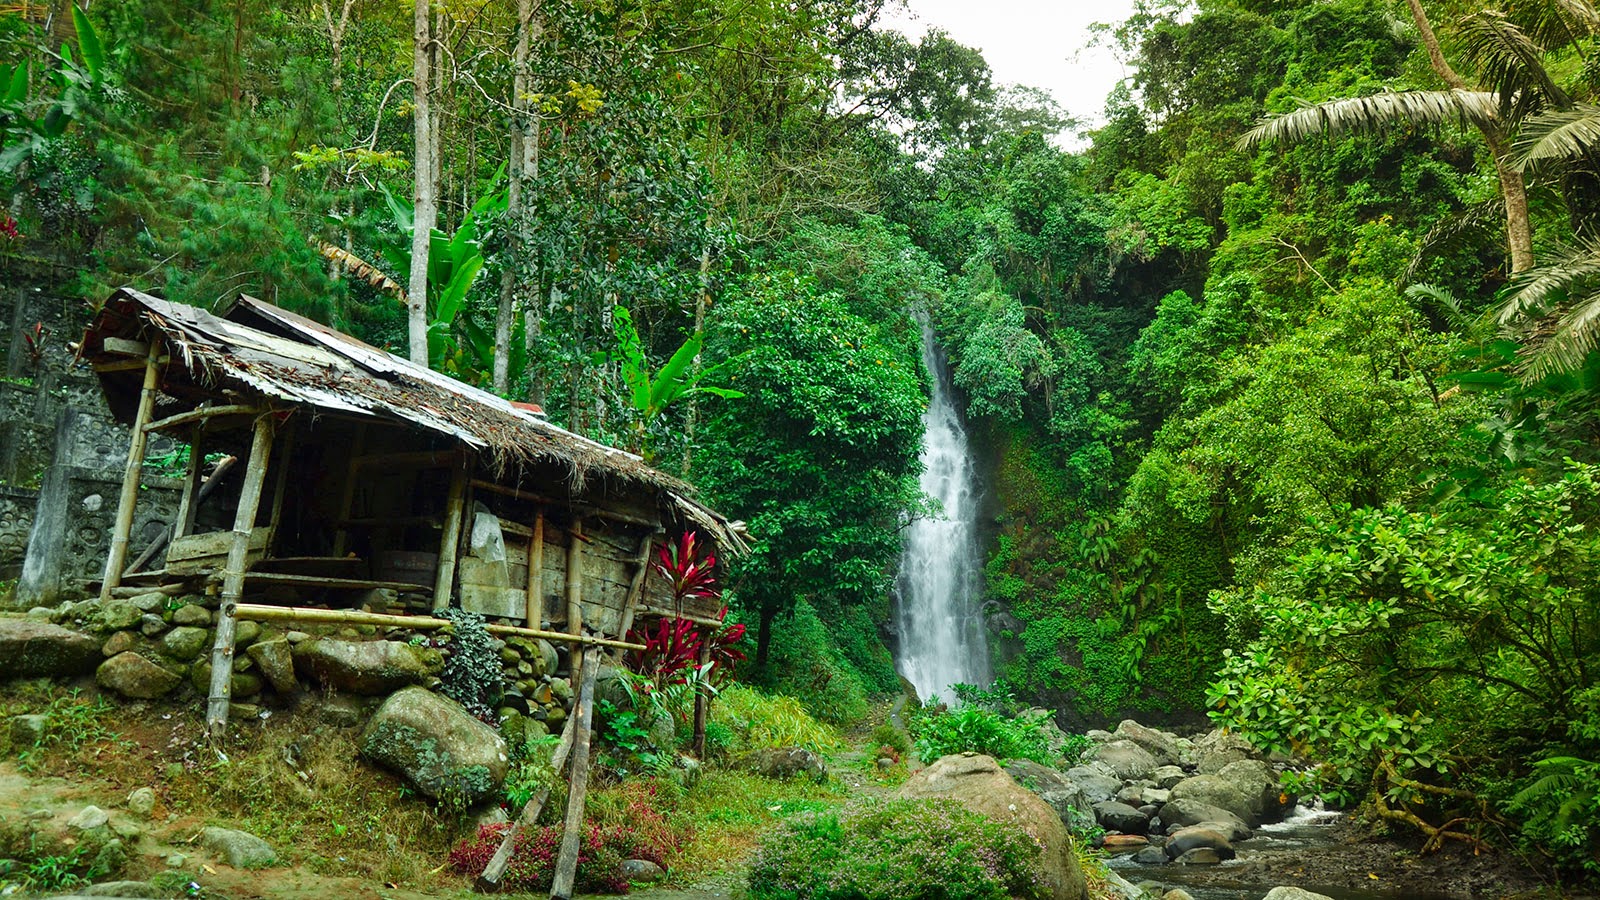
(131, 675)
(1183, 812)
(1213, 790)
(1294, 893)
(1128, 760)
(1216, 749)
(1256, 780)
(1061, 793)
(978, 783)
(1186, 839)
(373, 668)
(1114, 816)
(786, 762)
(241, 849)
(437, 746)
(1096, 781)
(32, 648)
(1164, 747)
(276, 662)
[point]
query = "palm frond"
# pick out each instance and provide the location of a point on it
(1572, 338)
(1510, 63)
(1376, 112)
(1535, 292)
(1454, 230)
(1557, 134)
(1554, 24)
(363, 269)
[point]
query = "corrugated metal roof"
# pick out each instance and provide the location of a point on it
(292, 359)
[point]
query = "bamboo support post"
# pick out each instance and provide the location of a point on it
(641, 569)
(575, 580)
(193, 482)
(200, 414)
(451, 538)
(244, 521)
(535, 610)
(577, 792)
(489, 881)
(118, 557)
(702, 700)
(183, 523)
(347, 498)
(285, 454)
(256, 612)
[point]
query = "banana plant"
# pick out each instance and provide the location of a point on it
(650, 393)
(76, 81)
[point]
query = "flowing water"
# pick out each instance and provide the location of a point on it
(939, 620)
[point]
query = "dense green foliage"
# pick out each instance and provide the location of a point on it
(892, 849)
(1260, 419)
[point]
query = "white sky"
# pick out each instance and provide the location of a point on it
(1038, 43)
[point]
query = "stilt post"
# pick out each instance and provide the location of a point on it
(535, 609)
(450, 540)
(244, 521)
(118, 557)
(567, 863)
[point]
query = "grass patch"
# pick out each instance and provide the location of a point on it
(757, 720)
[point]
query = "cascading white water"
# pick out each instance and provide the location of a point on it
(940, 623)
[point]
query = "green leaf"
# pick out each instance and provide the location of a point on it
(18, 79)
(454, 293)
(94, 53)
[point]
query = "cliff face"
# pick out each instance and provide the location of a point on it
(61, 455)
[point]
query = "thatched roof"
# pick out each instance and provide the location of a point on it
(257, 349)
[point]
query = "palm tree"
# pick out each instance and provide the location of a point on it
(1513, 86)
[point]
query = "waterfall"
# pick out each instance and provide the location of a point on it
(937, 614)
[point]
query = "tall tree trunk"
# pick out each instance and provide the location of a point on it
(424, 196)
(1513, 190)
(769, 611)
(691, 414)
(524, 134)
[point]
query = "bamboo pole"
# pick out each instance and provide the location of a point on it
(630, 604)
(200, 414)
(185, 518)
(577, 792)
(347, 497)
(535, 611)
(702, 699)
(286, 454)
(489, 881)
(451, 538)
(118, 557)
(244, 521)
(575, 579)
(256, 612)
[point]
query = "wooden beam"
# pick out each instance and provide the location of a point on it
(702, 700)
(489, 881)
(117, 558)
(535, 608)
(354, 584)
(189, 502)
(202, 413)
(123, 365)
(126, 347)
(244, 521)
(641, 570)
(578, 789)
(575, 580)
(450, 540)
(285, 458)
(258, 612)
(185, 517)
(587, 509)
(347, 498)
(410, 459)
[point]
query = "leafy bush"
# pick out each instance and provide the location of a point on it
(887, 735)
(758, 720)
(941, 731)
(46, 862)
(533, 857)
(807, 664)
(892, 850)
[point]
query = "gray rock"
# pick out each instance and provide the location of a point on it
(185, 643)
(191, 614)
(1293, 893)
(142, 802)
(32, 648)
(27, 730)
(1199, 856)
(151, 624)
(245, 633)
(437, 746)
(1128, 760)
(1182, 812)
(1214, 790)
(1096, 780)
(1256, 780)
(1114, 816)
(1214, 761)
(240, 849)
(1230, 828)
(339, 710)
(1188, 840)
(88, 819)
(373, 668)
(131, 675)
(129, 890)
(1154, 796)
(1177, 894)
(642, 870)
(1150, 856)
(115, 615)
(1167, 776)
(297, 637)
(1159, 744)
(149, 602)
(276, 661)
(42, 613)
(1061, 793)
(175, 861)
(121, 642)
(786, 762)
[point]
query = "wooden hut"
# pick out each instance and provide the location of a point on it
(369, 480)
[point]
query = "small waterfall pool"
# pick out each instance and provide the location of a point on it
(937, 612)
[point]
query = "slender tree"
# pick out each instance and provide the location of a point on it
(425, 195)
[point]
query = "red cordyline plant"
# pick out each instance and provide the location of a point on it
(691, 578)
(8, 228)
(671, 651)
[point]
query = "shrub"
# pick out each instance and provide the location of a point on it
(887, 735)
(758, 720)
(807, 663)
(941, 731)
(892, 850)
(47, 862)
(533, 857)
